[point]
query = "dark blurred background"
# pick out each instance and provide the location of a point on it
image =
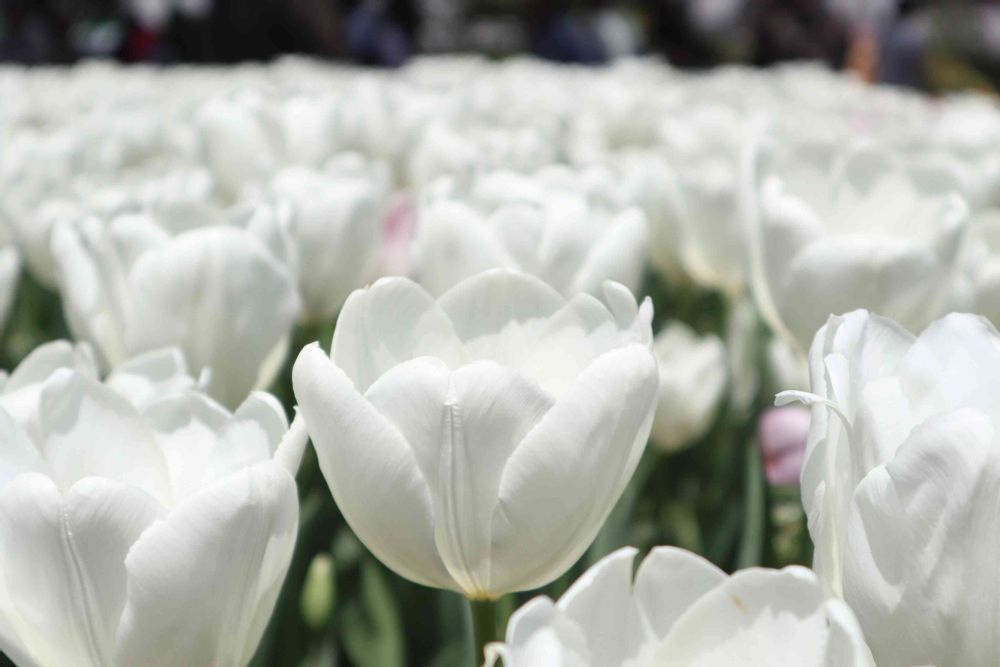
(936, 45)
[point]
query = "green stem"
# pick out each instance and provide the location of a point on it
(484, 627)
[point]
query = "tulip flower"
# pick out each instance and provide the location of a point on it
(831, 243)
(899, 483)
(782, 434)
(682, 610)
(218, 293)
(693, 377)
(337, 227)
(140, 536)
(477, 442)
(564, 237)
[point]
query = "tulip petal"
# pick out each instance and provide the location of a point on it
(390, 322)
(88, 429)
(618, 255)
(761, 617)
(491, 302)
(668, 581)
(203, 581)
(554, 495)
(219, 295)
(64, 564)
(19, 453)
(915, 533)
(600, 602)
(487, 412)
(373, 473)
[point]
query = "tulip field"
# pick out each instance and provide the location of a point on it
(492, 363)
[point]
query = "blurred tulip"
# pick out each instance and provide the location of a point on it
(830, 241)
(682, 610)
(782, 434)
(140, 536)
(337, 228)
(477, 442)
(548, 230)
(217, 293)
(692, 382)
(900, 483)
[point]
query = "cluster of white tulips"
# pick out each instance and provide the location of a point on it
(491, 241)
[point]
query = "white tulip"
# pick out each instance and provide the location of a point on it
(703, 149)
(900, 483)
(477, 442)
(337, 227)
(145, 536)
(830, 243)
(570, 239)
(682, 611)
(693, 377)
(241, 140)
(217, 293)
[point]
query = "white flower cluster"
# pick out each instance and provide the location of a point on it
(479, 230)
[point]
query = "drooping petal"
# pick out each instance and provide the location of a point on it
(203, 581)
(64, 564)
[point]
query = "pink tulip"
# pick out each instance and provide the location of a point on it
(782, 434)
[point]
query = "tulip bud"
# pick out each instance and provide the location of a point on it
(318, 592)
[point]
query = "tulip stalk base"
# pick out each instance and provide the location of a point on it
(484, 627)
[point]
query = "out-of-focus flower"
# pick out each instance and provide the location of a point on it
(241, 140)
(563, 235)
(693, 378)
(395, 258)
(114, 518)
(477, 442)
(704, 147)
(337, 227)
(218, 293)
(829, 244)
(900, 482)
(682, 610)
(782, 434)
(978, 287)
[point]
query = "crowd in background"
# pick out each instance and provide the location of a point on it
(947, 44)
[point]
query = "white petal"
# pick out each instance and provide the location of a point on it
(64, 564)
(390, 322)
(917, 529)
(156, 373)
(372, 471)
(618, 255)
(222, 298)
(600, 603)
(203, 581)
(669, 581)
(758, 617)
(487, 412)
(563, 480)
(88, 429)
(487, 303)
(19, 452)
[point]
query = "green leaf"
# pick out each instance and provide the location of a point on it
(371, 628)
